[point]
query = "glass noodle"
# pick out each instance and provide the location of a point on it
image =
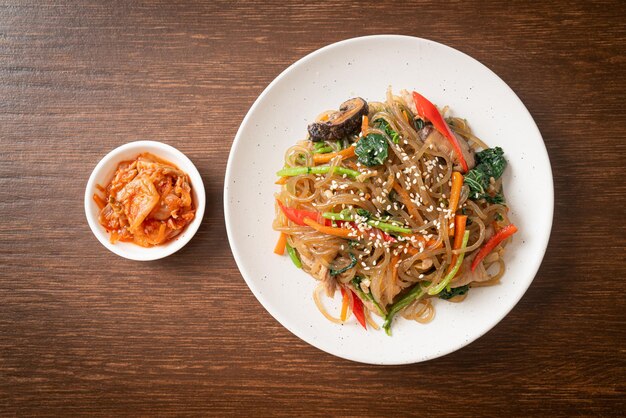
(417, 168)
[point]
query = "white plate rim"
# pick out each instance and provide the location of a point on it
(253, 286)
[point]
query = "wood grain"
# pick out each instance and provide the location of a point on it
(83, 331)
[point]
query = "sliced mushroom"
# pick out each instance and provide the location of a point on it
(340, 124)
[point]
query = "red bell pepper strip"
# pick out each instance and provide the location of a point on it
(357, 308)
(427, 110)
(297, 215)
(500, 236)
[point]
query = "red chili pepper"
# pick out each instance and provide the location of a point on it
(500, 236)
(428, 111)
(297, 215)
(357, 308)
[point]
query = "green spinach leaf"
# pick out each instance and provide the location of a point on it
(364, 213)
(455, 291)
(353, 262)
(384, 125)
(489, 163)
(372, 150)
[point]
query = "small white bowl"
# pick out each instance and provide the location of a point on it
(103, 173)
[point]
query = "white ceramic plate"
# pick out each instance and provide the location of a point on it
(366, 67)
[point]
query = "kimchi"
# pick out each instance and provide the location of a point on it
(148, 202)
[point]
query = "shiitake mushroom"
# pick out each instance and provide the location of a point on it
(342, 123)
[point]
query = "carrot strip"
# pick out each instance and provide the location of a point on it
(408, 202)
(281, 180)
(364, 124)
(430, 245)
(455, 194)
(338, 232)
(280, 245)
(459, 224)
(344, 305)
(324, 158)
(406, 117)
(394, 267)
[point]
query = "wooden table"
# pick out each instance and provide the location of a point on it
(83, 331)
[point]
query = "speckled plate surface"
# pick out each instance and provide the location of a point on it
(366, 67)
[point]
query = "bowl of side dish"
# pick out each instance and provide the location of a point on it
(179, 190)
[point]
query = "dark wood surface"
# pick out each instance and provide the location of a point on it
(83, 331)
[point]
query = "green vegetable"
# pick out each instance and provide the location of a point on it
(456, 291)
(345, 215)
(322, 148)
(372, 150)
(334, 272)
(301, 158)
(446, 280)
(356, 282)
(419, 123)
(416, 292)
(325, 148)
(293, 254)
(389, 228)
(489, 163)
(364, 213)
(319, 169)
(384, 126)
(477, 182)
